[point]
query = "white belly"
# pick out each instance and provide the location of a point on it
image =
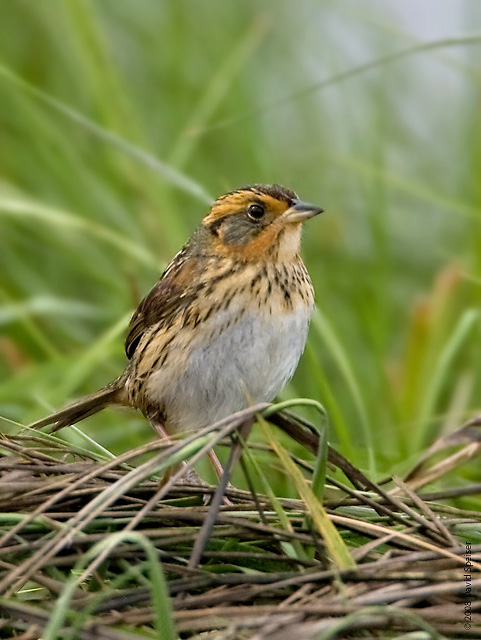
(246, 363)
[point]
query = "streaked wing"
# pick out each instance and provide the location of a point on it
(169, 295)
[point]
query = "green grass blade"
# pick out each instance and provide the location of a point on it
(293, 549)
(216, 91)
(464, 328)
(334, 543)
(160, 597)
(334, 345)
(171, 175)
(58, 219)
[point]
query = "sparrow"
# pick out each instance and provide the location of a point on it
(225, 325)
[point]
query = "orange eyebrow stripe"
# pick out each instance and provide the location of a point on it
(236, 202)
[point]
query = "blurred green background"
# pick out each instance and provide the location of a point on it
(120, 121)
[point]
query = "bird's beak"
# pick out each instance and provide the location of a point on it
(301, 211)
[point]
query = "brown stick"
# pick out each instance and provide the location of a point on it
(206, 529)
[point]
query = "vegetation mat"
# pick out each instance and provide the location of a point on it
(96, 548)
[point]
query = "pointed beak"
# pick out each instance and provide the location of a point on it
(301, 211)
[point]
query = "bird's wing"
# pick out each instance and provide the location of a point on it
(171, 294)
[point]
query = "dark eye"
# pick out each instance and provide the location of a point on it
(256, 211)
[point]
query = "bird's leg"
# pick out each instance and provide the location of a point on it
(215, 462)
(191, 475)
(219, 472)
(158, 426)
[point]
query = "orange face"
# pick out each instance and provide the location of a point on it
(258, 221)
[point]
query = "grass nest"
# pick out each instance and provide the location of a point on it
(96, 548)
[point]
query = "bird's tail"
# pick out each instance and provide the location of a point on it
(111, 394)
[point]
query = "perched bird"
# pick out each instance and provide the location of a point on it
(225, 325)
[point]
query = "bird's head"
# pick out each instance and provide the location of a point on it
(258, 221)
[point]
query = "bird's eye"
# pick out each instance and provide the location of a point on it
(256, 211)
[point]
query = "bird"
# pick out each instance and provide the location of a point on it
(225, 325)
